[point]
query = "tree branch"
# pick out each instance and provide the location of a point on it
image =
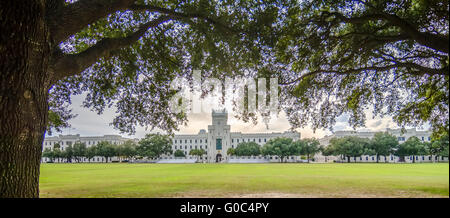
(74, 17)
(418, 70)
(72, 64)
(179, 15)
(434, 41)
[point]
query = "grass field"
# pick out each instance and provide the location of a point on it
(244, 180)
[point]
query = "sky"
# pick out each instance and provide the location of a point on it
(89, 123)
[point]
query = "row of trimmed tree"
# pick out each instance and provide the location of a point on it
(385, 144)
(152, 146)
(280, 147)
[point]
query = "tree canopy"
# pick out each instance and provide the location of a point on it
(346, 57)
(154, 145)
(247, 149)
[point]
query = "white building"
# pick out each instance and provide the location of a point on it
(65, 140)
(219, 139)
(424, 136)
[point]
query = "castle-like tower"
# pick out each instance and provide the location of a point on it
(219, 139)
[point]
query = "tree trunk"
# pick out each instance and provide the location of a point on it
(348, 159)
(24, 52)
(378, 157)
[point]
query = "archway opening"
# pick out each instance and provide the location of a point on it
(218, 158)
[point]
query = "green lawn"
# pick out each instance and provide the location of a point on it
(244, 180)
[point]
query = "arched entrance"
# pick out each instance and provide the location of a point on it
(218, 158)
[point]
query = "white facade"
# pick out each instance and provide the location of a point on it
(65, 140)
(219, 139)
(424, 136)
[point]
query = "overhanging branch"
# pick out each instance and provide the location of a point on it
(415, 70)
(434, 41)
(72, 64)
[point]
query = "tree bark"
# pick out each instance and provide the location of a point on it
(24, 52)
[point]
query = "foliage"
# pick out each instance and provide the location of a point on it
(247, 149)
(48, 153)
(383, 144)
(154, 145)
(412, 146)
(280, 147)
(106, 150)
(68, 153)
(197, 152)
(127, 149)
(79, 151)
(349, 146)
(351, 58)
(91, 152)
(310, 148)
(332, 58)
(231, 151)
(179, 153)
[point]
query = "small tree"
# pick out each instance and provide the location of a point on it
(128, 149)
(179, 153)
(383, 144)
(48, 153)
(106, 150)
(349, 146)
(68, 154)
(413, 146)
(309, 147)
(280, 147)
(57, 152)
(91, 152)
(437, 146)
(231, 152)
(154, 145)
(197, 152)
(79, 151)
(247, 149)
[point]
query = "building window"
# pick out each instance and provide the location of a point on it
(218, 144)
(200, 141)
(232, 140)
(265, 140)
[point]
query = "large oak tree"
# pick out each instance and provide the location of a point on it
(331, 58)
(118, 52)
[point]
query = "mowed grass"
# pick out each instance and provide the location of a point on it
(245, 180)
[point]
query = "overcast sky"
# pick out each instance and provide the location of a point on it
(89, 123)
